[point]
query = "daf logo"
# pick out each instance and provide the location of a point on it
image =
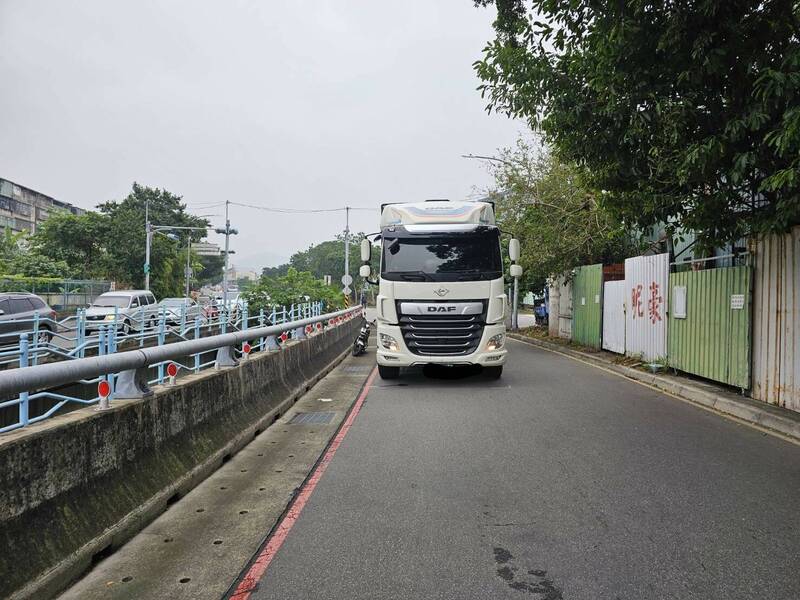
(441, 292)
(441, 309)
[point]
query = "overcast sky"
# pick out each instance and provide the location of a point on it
(286, 104)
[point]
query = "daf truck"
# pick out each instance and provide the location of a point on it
(441, 294)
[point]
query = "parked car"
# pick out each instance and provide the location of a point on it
(17, 313)
(234, 305)
(175, 307)
(136, 309)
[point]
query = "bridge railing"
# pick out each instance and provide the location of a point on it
(77, 336)
(248, 333)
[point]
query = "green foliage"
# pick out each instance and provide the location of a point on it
(32, 264)
(558, 219)
(126, 247)
(18, 258)
(682, 112)
(110, 244)
(292, 288)
(327, 258)
(80, 241)
(209, 269)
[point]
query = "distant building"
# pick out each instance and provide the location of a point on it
(235, 274)
(206, 249)
(23, 209)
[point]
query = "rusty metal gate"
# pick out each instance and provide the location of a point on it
(776, 320)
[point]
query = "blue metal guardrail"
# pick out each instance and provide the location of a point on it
(118, 367)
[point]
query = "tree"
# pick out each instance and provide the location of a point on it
(326, 258)
(18, 258)
(80, 241)
(681, 112)
(558, 219)
(210, 269)
(126, 247)
(110, 244)
(293, 288)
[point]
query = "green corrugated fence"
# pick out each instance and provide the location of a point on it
(710, 324)
(587, 303)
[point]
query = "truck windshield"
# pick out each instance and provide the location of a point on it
(442, 257)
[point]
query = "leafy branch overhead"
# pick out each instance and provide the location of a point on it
(681, 112)
(559, 220)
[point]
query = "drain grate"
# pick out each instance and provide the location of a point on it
(357, 369)
(311, 418)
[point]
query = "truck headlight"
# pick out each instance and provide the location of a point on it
(109, 318)
(389, 343)
(496, 342)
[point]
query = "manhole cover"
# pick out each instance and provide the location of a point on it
(358, 369)
(311, 418)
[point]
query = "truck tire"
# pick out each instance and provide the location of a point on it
(493, 372)
(388, 372)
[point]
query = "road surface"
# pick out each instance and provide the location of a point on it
(558, 481)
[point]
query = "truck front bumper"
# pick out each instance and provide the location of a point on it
(402, 357)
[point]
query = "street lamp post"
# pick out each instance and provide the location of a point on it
(188, 265)
(148, 240)
(151, 229)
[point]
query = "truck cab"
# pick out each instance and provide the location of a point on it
(441, 297)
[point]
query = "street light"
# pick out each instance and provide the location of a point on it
(163, 229)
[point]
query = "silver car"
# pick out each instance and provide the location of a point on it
(174, 308)
(134, 309)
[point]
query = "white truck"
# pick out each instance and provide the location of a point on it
(441, 296)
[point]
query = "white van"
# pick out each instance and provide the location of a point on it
(135, 309)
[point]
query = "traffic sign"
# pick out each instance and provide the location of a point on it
(103, 389)
(146, 268)
(346, 290)
(347, 279)
(172, 369)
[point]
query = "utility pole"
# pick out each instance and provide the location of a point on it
(188, 264)
(346, 246)
(228, 232)
(148, 240)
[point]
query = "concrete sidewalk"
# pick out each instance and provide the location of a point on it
(704, 393)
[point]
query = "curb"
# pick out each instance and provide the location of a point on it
(761, 415)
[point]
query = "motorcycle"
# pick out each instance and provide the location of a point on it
(360, 345)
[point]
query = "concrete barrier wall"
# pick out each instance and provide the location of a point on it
(81, 484)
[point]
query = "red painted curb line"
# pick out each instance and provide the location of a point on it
(251, 580)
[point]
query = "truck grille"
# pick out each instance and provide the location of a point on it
(442, 335)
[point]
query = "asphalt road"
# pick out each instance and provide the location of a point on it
(558, 481)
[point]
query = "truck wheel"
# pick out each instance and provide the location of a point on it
(493, 372)
(388, 372)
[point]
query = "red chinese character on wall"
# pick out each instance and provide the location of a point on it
(637, 306)
(654, 303)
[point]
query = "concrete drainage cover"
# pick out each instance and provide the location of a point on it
(312, 418)
(357, 369)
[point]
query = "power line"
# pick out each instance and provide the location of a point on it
(302, 210)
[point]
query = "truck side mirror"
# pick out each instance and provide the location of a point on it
(513, 249)
(364, 271)
(366, 250)
(515, 271)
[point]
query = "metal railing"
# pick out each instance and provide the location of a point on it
(78, 336)
(261, 332)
